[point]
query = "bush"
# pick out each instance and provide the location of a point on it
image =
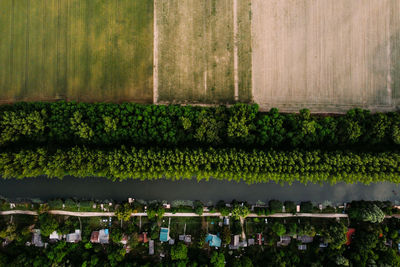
(290, 206)
(306, 207)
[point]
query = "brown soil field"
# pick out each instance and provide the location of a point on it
(328, 56)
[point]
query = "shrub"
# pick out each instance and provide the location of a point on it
(275, 206)
(306, 207)
(290, 206)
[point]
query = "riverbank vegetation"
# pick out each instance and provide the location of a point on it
(254, 166)
(239, 143)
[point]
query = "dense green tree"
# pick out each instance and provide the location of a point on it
(179, 252)
(48, 224)
(366, 212)
(217, 259)
(275, 206)
(279, 229)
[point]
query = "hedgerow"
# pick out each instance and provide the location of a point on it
(255, 166)
(157, 125)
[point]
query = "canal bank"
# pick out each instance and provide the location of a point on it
(101, 188)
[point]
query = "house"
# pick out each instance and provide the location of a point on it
(164, 235)
(284, 241)
(74, 237)
(213, 240)
(37, 238)
(143, 238)
(54, 236)
(349, 234)
(302, 247)
(259, 239)
(151, 247)
(101, 236)
(171, 241)
(186, 238)
(305, 239)
(251, 241)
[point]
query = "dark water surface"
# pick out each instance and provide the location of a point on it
(101, 188)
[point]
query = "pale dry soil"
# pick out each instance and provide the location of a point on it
(328, 56)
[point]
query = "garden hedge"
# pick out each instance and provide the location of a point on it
(239, 126)
(254, 166)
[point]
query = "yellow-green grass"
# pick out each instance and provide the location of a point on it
(84, 50)
(195, 49)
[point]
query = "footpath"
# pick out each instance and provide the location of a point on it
(170, 214)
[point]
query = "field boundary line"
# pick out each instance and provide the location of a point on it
(155, 54)
(235, 50)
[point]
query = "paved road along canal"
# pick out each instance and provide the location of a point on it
(101, 188)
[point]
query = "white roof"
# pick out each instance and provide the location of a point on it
(55, 235)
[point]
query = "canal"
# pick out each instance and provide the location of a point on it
(101, 188)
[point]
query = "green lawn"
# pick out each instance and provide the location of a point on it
(85, 50)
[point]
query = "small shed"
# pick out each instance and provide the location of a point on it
(37, 238)
(164, 235)
(151, 247)
(74, 237)
(54, 236)
(305, 239)
(259, 239)
(143, 237)
(302, 247)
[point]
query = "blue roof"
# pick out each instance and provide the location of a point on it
(164, 234)
(106, 231)
(213, 240)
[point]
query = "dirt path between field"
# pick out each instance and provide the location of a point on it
(235, 50)
(155, 55)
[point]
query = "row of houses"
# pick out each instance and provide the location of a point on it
(101, 236)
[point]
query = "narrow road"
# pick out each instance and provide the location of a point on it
(178, 214)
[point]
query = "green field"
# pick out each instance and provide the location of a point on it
(84, 50)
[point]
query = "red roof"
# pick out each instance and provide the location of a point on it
(259, 239)
(95, 237)
(350, 232)
(143, 238)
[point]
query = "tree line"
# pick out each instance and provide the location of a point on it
(173, 125)
(232, 164)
